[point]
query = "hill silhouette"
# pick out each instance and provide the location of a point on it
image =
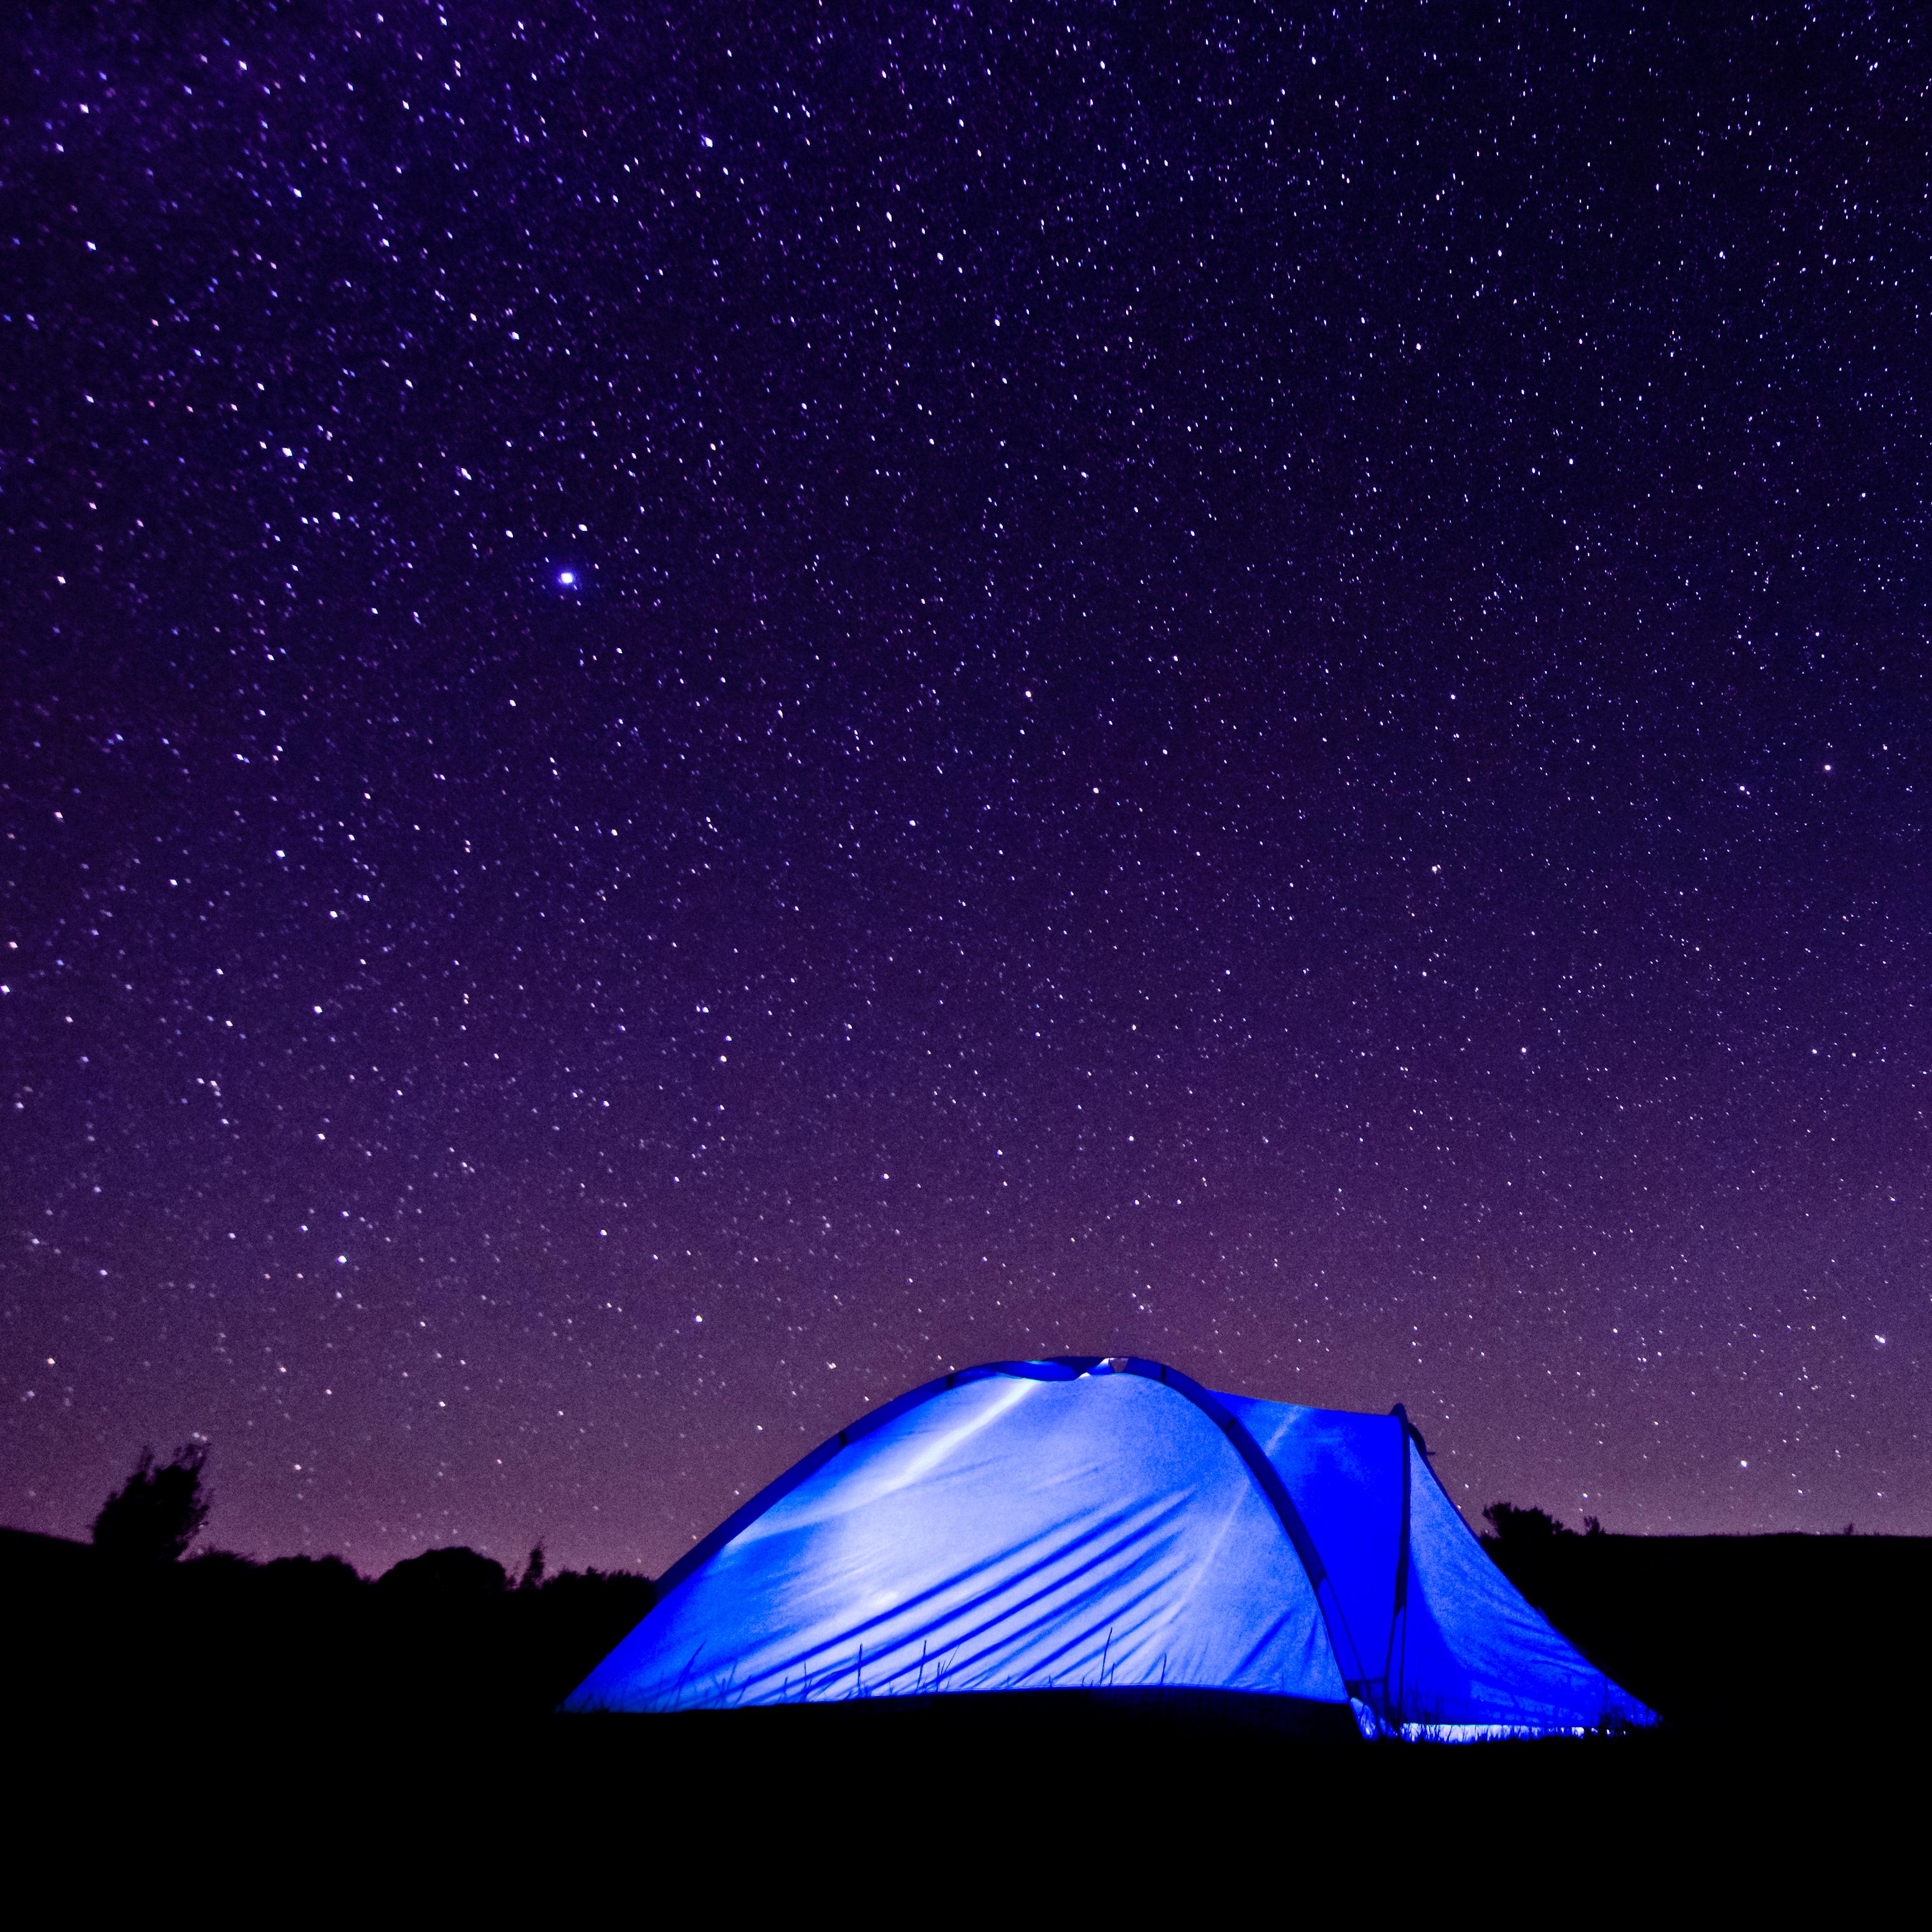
(1726, 1637)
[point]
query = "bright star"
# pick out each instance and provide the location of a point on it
(568, 578)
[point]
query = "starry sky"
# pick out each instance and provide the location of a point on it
(705, 709)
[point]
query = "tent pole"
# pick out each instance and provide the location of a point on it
(1393, 1664)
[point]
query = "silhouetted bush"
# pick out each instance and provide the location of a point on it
(1517, 1529)
(314, 1576)
(154, 1516)
(454, 1578)
(225, 1563)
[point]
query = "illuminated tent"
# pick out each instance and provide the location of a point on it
(1108, 1525)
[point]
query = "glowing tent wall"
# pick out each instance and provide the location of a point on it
(1112, 1526)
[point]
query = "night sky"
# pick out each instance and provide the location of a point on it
(702, 710)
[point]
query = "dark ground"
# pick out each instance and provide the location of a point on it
(269, 1711)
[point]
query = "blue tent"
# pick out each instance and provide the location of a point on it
(1106, 1524)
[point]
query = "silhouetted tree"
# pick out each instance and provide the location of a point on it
(1522, 1528)
(533, 1571)
(155, 1516)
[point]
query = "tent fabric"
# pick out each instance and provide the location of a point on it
(1108, 1525)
